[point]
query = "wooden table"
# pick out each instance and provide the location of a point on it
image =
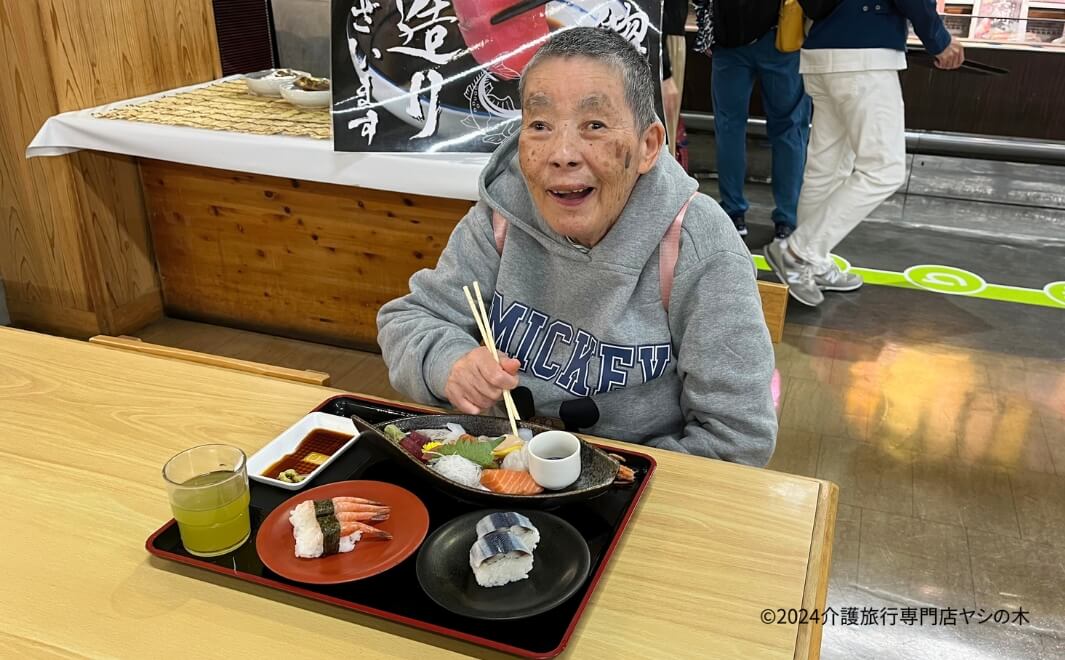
(85, 430)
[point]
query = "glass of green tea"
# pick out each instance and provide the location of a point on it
(208, 489)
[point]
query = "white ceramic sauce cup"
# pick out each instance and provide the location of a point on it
(554, 459)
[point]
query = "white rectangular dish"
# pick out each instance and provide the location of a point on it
(287, 442)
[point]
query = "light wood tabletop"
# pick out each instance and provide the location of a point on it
(85, 430)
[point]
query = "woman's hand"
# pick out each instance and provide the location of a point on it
(476, 382)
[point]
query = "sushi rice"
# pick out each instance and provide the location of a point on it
(499, 558)
(310, 541)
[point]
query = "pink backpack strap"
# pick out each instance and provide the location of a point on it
(668, 253)
(499, 229)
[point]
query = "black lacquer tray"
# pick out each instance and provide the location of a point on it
(396, 595)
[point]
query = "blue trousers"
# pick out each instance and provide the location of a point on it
(787, 122)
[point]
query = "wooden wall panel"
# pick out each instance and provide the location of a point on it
(75, 254)
(38, 257)
(296, 258)
(183, 42)
(109, 50)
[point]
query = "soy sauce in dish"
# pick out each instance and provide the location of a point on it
(312, 451)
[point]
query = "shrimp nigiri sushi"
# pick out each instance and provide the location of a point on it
(333, 532)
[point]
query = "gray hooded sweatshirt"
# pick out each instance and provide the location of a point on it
(591, 323)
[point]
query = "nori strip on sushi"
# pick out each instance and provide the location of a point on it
(331, 534)
(323, 508)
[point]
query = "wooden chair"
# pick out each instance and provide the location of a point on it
(774, 307)
(284, 373)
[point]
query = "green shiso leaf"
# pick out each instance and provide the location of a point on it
(477, 452)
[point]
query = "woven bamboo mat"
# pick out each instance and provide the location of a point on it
(228, 106)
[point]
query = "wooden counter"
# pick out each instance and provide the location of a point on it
(75, 254)
(85, 430)
(295, 258)
(298, 258)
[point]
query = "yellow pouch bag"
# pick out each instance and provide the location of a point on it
(791, 27)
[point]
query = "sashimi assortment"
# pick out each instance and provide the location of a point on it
(336, 525)
(496, 464)
(503, 551)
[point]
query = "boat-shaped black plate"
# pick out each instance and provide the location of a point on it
(597, 469)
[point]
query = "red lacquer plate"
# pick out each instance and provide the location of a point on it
(408, 525)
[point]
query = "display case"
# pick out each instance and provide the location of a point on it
(1030, 22)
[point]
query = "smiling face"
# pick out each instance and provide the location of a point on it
(580, 148)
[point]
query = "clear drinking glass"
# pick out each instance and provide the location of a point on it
(208, 489)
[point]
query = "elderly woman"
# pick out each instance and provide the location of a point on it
(615, 287)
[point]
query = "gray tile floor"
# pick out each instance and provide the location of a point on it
(1002, 251)
(942, 419)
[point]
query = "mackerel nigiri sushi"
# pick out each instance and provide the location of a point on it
(499, 558)
(512, 522)
(335, 530)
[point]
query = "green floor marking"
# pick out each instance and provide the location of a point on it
(952, 281)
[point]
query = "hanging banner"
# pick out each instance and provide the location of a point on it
(442, 75)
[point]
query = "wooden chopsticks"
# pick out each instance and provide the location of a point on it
(481, 317)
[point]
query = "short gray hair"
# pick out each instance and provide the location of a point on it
(607, 46)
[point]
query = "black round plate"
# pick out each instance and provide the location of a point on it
(561, 563)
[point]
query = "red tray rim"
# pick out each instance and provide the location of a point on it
(418, 623)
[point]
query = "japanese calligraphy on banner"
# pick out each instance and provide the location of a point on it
(442, 75)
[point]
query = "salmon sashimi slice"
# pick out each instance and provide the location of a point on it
(510, 482)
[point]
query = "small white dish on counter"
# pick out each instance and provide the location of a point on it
(308, 100)
(268, 82)
(287, 442)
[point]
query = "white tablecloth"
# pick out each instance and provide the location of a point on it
(440, 175)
